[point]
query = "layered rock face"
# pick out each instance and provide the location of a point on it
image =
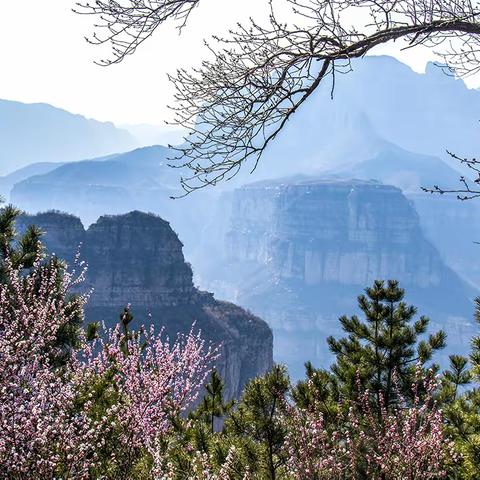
(345, 232)
(454, 229)
(137, 258)
(300, 252)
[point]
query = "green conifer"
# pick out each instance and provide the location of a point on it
(257, 420)
(22, 251)
(383, 351)
(213, 407)
(462, 406)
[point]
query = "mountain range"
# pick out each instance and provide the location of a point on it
(380, 101)
(364, 132)
(366, 119)
(386, 125)
(31, 133)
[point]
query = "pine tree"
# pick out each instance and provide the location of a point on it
(213, 407)
(455, 379)
(254, 426)
(258, 420)
(22, 251)
(473, 399)
(319, 390)
(382, 352)
(462, 405)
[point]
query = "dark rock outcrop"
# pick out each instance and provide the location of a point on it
(137, 258)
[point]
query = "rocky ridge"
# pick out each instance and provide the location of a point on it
(137, 258)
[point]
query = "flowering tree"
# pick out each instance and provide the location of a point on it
(102, 411)
(406, 442)
(204, 468)
(37, 428)
(133, 388)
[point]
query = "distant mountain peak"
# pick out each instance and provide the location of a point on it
(38, 132)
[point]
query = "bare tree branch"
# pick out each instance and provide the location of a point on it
(469, 187)
(236, 104)
(126, 24)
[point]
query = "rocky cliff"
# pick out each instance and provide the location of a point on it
(302, 250)
(332, 231)
(137, 258)
(453, 227)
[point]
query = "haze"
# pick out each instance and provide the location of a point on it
(45, 58)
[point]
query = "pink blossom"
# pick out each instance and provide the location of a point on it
(407, 442)
(45, 430)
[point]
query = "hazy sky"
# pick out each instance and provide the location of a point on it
(44, 58)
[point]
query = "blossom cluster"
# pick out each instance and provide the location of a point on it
(405, 441)
(57, 418)
(204, 468)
